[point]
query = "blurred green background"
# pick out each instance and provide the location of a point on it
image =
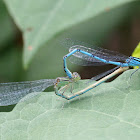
(112, 25)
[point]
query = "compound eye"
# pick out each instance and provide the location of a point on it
(127, 60)
(57, 80)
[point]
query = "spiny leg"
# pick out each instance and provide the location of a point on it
(133, 73)
(131, 77)
(65, 88)
(71, 88)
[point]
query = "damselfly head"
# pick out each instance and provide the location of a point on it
(59, 81)
(76, 76)
(133, 61)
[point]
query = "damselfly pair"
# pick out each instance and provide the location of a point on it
(11, 93)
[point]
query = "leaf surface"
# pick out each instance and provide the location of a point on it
(42, 20)
(109, 111)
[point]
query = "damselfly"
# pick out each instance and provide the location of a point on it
(82, 55)
(13, 92)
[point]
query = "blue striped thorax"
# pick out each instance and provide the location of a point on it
(133, 61)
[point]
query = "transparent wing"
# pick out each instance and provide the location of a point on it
(68, 43)
(84, 62)
(12, 93)
(97, 77)
(96, 51)
(102, 53)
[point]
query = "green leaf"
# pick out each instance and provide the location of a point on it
(136, 53)
(109, 111)
(40, 21)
